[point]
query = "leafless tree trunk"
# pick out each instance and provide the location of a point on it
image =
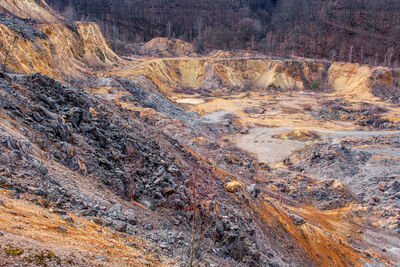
(351, 53)
(199, 27)
(389, 56)
(362, 55)
(169, 30)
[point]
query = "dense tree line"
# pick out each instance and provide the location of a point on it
(366, 31)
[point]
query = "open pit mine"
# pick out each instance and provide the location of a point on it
(171, 158)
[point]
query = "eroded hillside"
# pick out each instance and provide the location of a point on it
(219, 161)
(58, 50)
(30, 9)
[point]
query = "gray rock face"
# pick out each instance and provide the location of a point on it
(148, 204)
(107, 221)
(22, 27)
(158, 181)
(119, 226)
(117, 208)
(67, 218)
(97, 145)
(130, 216)
(115, 211)
(155, 100)
(297, 220)
(396, 186)
(62, 229)
(253, 190)
(244, 130)
(101, 258)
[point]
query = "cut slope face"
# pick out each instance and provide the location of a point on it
(62, 51)
(214, 74)
(59, 51)
(30, 9)
(354, 80)
(347, 80)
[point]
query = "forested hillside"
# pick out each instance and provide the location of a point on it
(366, 31)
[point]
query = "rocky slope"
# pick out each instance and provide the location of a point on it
(99, 149)
(37, 10)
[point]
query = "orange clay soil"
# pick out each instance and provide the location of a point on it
(323, 236)
(28, 225)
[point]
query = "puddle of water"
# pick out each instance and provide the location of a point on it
(191, 100)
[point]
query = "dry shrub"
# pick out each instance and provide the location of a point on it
(377, 110)
(185, 90)
(202, 193)
(307, 107)
(248, 85)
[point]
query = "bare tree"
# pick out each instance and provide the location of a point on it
(341, 52)
(332, 55)
(169, 30)
(351, 53)
(389, 56)
(362, 55)
(202, 193)
(198, 26)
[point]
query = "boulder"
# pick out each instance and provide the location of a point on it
(168, 191)
(62, 229)
(297, 220)
(233, 186)
(117, 208)
(115, 211)
(253, 190)
(130, 216)
(396, 186)
(382, 186)
(119, 226)
(244, 130)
